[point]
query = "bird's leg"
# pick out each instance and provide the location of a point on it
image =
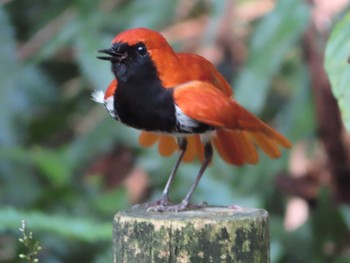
(182, 142)
(208, 155)
(164, 199)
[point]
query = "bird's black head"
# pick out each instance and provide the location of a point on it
(129, 62)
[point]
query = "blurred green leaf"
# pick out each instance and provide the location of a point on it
(338, 67)
(8, 44)
(343, 259)
(87, 46)
(345, 211)
(24, 89)
(78, 228)
(103, 136)
(153, 14)
(217, 9)
(272, 39)
(53, 165)
(69, 26)
(298, 118)
(329, 227)
(109, 201)
(8, 66)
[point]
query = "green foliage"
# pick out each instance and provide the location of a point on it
(338, 67)
(334, 230)
(51, 133)
(74, 228)
(273, 38)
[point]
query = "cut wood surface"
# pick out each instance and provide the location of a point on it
(211, 234)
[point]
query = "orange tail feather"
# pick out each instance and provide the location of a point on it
(168, 145)
(259, 130)
(147, 139)
(267, 144)
(191, 151)
(235, 147)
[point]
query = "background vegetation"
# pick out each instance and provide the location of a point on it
(66, 167)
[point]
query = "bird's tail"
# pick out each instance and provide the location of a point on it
(239, 147)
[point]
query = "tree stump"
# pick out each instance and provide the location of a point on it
(211, 234)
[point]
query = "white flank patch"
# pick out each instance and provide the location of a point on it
(109, 105)
(186, 123)
(206, 137)
(98, 96)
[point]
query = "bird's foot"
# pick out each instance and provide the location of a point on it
(163, 201)
(235, 207)
(184, 205)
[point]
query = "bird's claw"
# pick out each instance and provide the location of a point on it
(234, 207)
(169, 208)
(163, 201)
(184, 205)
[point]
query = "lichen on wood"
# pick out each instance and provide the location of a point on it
(211, 234)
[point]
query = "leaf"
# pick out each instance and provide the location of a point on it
(53, 165)
(217, 11)
(338, 67)
(108, 201)
(66, 33)
(152, 13)
(299, 112)
(77, 228)
(272, 39)
(345, 212)
(7, 67)
(24, 89)
(328, 225)
(87, 45)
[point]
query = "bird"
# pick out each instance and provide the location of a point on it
(180, 101)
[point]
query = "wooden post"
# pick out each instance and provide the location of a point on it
(211, 234)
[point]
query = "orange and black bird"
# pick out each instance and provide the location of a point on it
(181, 102)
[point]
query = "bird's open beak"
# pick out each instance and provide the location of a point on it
(114, 56)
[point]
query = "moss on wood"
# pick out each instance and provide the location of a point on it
(212, 234)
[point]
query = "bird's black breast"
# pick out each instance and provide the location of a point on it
(144, 106)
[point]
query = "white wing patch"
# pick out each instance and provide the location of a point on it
(186, 123)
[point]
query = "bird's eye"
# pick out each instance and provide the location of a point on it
(141, 50)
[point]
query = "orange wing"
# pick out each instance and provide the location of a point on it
(237, 129)
(205, 103)
(201, 69)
